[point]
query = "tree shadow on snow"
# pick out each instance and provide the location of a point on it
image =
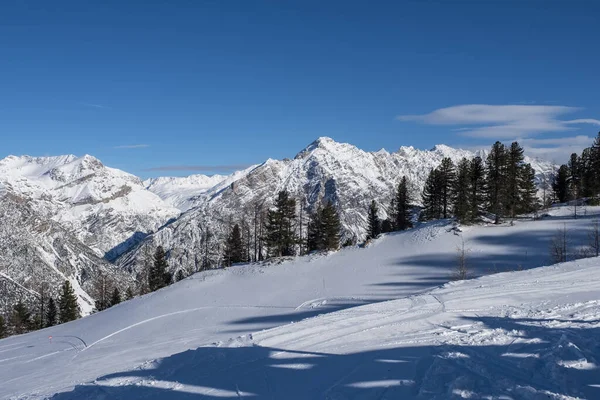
(539, 361)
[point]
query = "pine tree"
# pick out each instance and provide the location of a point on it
(159, 276)
(51, 313)
(513, 179)
(280, 235)
(561, 184)
(179, 276)
(330, 227)
(374, 228)
(67, 304)
(314, 239)
(594, 183)
(234, 247)
(116, 297)
(495, 180)
(588, 183)
(574, 176)
(447, 177)
(3, 328)
(402, 204)
(529, 201)
(477, 188)
(462, 191)
(129, 293)
(21, 318)
(432, 196)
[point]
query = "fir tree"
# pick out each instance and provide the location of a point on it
(432, 196)
(280, 235)
(51, 313)
(574, 176)
(179, 276)
(447, 177)
(495, 180)
(116, 297)
(374, 228)
(67, 304)
(234, 247)
(330, 227)
(387, 226)
(129, 293)
(477, 188)
(159, 277)
(314, 235)
(21, 318)
(462, 191)
(513, 179)
(561, 184)
(3, 328)
(529, 201)
(402, 205)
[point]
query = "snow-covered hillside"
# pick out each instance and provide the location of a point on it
(373, 325)
(104, 207)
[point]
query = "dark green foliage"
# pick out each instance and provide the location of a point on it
(51, 313)
(116, 297)
(477, 188)
(324, 229)
(280, 236)
(447, 177)
(561, 184)
(67, 304)
(159, 276)
(374, 228)
(179, 276)
(402, 206)
(21, 319)
(529, 201)
(496, 180)
(129, 293)
(387, 226)
(462, 191)
(3, 328)
(574, 176)
(512, 179)
(432, 196)
(234, 247)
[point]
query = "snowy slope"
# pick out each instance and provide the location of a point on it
(523, 334)
(103, 206)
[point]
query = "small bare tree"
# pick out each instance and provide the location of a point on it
(558, 246)
(462, 270)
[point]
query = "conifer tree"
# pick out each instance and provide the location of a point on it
(574, 176)
(432, 196)
(374, 227)
(477, 188)
(234, 247)
(129, 293)
(3, 328)
(462, 191)
(21, 318)
(495, 180)
(67, 304)
(116, 297)
(51, 313)
(447, 177)
(159, 277)
(179, 276)
(314, 239)
(402, 204)
(280, 234)
(513, 179)
(529, 201)
(330, 227)
(561, 184)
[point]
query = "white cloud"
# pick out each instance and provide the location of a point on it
(133, 146)
(502, 121)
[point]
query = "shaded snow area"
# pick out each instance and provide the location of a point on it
(375, 323)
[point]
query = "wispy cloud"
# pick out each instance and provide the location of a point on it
(132, 146)
(502, 121)
(201, 168)
(94, 105)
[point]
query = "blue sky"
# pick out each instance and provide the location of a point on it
(221, 84)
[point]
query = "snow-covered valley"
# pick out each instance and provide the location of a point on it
(370, 323)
